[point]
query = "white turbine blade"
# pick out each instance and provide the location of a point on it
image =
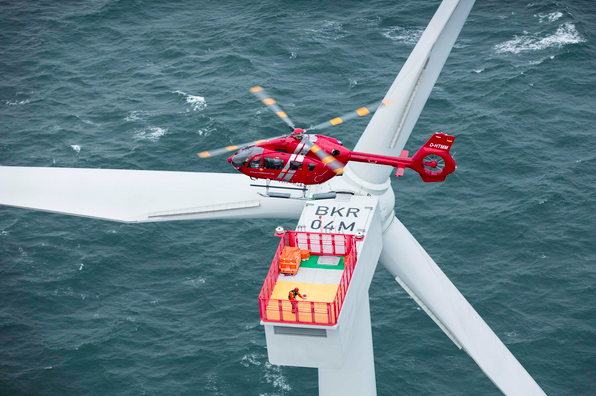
(421, 277)
(390, 127)
(140, 196)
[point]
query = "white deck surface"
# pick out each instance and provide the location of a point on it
(314, 275)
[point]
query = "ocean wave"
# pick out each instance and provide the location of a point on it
(274, 376)
(196, 102)
(372, 22)
(566, 34)
(206, 131)
(403, 35)
(552, 17)
(76, 148)
(251, 359)
(194, 282)
(139, 115)
(328, 31)
(17, 102)
(150, 133)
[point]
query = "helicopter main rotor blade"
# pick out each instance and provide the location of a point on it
(260, 93)
(233, 148)
(336, 165)
(361, 112)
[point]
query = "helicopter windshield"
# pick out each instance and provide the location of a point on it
(242, 157)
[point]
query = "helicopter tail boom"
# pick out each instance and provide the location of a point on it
(432, 162)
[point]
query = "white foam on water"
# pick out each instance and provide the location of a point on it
(372, 22)
(206, 131)
(353, 83)
(293, 55)
(138, 115)
(251, 359)
(403, 35)
(76, 148)
(81, 267)
(17, 102)
(329, 30)
(194, 282)
(197, 102)
(552, 17)
(273, 375)
(478, 71)
(566, 34)
(150, 133)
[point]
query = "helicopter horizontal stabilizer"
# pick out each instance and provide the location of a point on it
(401, 168)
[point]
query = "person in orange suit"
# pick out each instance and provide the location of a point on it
(292, 297)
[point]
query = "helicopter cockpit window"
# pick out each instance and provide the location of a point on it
(273, 163)
(255, 163)
(294, 165)
(311, 167)
(242, 156)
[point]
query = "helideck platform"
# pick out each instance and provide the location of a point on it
(345, 240)
(323, 278)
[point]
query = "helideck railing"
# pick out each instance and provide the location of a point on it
(309, 312)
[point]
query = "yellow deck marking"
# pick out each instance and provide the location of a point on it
(336, 121)
(363, 111)
(315, 291)
(327, 160)
(282, 114)
(268, 101)
(319, 294)
(388, 102)
(256, 89)
(204, 154)
(230, 148)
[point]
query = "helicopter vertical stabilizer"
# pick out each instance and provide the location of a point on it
(440, 141)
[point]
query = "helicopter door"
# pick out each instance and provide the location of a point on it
(255, 163)
(253, 167)
(272, 167)
(308, 169)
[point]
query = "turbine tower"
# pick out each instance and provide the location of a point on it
(335, 339)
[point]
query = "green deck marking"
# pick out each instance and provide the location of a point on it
(312, 263)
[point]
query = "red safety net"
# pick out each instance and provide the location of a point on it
(309, 312)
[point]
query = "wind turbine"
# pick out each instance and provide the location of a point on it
(150, 196)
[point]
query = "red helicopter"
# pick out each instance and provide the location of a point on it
(306, 159)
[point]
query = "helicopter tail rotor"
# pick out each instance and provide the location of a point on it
(260, 93)
(433, 161)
